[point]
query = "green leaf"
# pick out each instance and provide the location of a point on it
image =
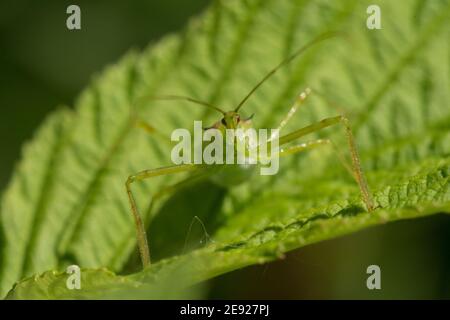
(66, 203)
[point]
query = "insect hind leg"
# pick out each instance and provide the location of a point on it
(299, 101)
(356, 163)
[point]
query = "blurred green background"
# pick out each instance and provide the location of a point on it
(44, 65)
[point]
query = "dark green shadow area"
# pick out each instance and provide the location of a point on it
(185, 222)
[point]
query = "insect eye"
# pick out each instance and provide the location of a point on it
(223, 122)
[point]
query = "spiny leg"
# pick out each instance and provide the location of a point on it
(343, 160)
(356, 164)
(298, 102)
(341, 111)
(140, 227)
(308, 145)
(303, 147)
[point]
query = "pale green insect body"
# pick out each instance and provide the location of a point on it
(229, 175)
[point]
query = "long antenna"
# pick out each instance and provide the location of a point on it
(285, 62)
(174, 97)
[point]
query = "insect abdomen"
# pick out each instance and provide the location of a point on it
(229, 175)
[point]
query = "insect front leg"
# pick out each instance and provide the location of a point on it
(140, 227)
(298, 102)
(356, 163)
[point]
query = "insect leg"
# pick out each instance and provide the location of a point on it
(303, 147)
(356, 163)
(298, 102)
(140, 228)
(331, 103)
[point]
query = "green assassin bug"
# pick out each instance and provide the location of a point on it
(232, 120)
